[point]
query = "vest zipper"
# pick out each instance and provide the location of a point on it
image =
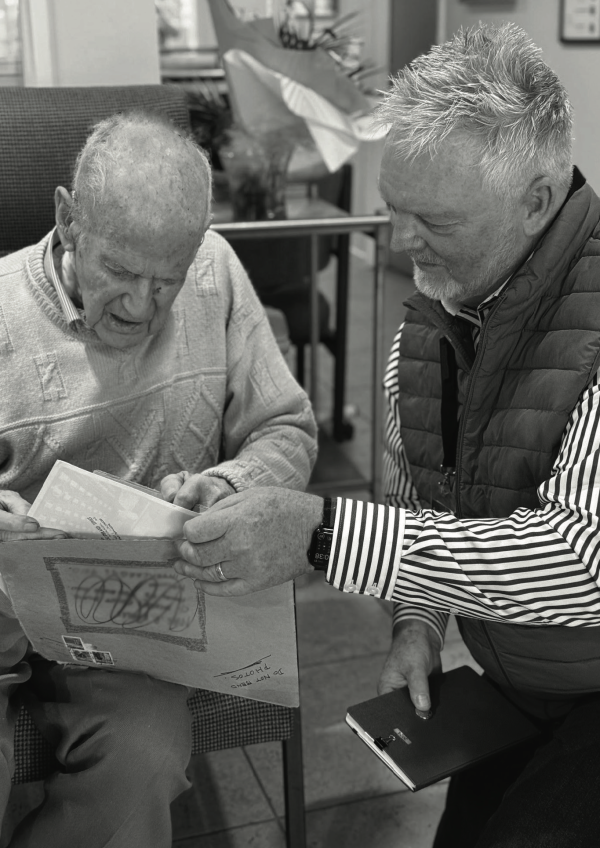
(468, 398)
(459, 451)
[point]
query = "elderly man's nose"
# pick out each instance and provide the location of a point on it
(138, 297)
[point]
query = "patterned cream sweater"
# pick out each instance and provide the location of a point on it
(211, 392)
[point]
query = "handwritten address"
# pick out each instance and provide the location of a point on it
(256, 672)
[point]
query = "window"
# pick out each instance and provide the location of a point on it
(10, 44)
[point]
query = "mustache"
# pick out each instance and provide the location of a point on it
(432, 259)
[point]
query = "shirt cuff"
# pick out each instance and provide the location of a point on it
(436, 619)
(365, 548)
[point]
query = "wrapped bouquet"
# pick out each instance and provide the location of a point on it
(288, 83)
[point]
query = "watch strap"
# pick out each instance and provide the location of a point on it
(329, 508)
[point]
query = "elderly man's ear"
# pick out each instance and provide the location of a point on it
(542, 202)
(63, 203)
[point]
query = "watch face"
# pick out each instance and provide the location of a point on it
(320, 547)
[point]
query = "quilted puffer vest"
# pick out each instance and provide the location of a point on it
(538, 350)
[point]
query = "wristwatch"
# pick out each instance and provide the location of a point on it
(320, 545)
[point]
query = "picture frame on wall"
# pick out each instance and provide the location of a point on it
(580, 22)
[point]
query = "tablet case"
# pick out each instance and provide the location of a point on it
(470, 721)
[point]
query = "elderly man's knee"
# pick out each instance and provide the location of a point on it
(151, 724)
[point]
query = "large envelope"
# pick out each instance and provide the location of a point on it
(120, 605)
(111, 599)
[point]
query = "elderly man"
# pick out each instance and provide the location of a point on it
(492, 439)
(133, 343)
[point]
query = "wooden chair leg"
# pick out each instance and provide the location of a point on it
(293, 784)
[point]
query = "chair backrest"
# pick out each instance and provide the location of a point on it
(41, 133)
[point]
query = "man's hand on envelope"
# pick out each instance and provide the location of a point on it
(250, 541)
(15, 526)
(194, 490)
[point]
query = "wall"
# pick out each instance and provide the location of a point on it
(206, 31)
(89, 42)
(413, 30)
(578, 66)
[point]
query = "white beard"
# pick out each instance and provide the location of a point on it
(496, 270)
(450, 290)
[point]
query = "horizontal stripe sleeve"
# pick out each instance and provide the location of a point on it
(515, 569)
(534, 567)
(434, 618)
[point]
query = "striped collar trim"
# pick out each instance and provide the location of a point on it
(476, 314)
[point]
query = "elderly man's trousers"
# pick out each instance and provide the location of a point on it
(542, 795)
(123, 742)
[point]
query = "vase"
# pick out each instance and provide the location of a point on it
(256, 170)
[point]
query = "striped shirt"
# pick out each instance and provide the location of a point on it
(533, 567)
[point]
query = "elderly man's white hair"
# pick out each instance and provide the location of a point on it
(103, 148)
(489, 86)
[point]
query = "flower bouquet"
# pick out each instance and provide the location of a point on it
(291, 86)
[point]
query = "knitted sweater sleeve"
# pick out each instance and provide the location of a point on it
(269, 431)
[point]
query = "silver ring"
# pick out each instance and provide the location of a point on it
(219, 571)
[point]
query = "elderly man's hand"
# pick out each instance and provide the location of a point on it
(254, 539)
(15, 526)
(414, 655)
(190, 490)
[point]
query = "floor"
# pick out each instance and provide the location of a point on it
(352, 800)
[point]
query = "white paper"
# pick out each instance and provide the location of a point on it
(90, 506)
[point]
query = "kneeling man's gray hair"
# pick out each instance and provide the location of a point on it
(490, 86)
